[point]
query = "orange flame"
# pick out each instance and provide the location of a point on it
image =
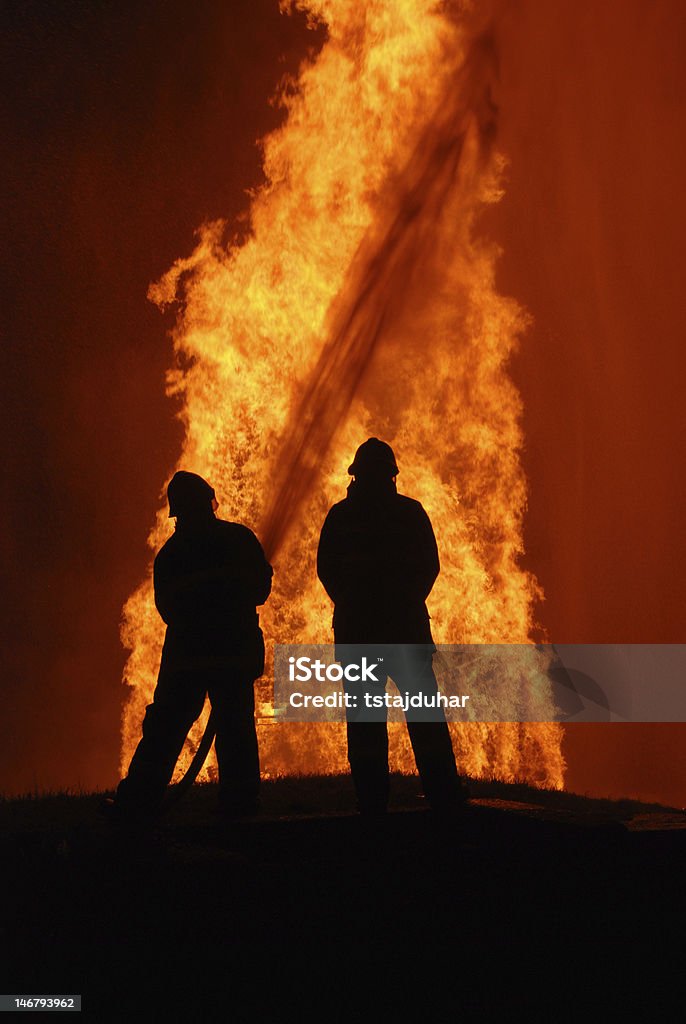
(363, 303)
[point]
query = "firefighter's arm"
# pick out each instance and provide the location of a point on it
(166, 593)
(424, 565)
(331, 562)
(256, 572)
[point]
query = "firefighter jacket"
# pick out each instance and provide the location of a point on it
(208, 580)
(378, 561)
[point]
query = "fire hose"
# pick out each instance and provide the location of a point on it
(180, 788)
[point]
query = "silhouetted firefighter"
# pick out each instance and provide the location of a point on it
(208, 578)
(378, 561)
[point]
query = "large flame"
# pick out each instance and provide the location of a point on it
(362, 303)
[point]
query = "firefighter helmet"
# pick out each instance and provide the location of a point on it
(188, 493)
(374, 456)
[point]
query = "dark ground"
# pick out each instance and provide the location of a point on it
(534, 903)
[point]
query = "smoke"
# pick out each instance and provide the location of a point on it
(390, 273)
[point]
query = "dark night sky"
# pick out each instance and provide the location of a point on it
(127, 125)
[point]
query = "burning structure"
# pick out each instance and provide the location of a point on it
(362, 301)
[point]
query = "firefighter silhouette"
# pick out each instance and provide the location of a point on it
(378, 561)
(208, 579)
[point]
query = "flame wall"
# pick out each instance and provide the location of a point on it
(363, 302)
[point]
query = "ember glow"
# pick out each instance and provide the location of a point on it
(362, 303)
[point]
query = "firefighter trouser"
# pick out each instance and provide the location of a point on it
(410, 668)
(177, 702)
